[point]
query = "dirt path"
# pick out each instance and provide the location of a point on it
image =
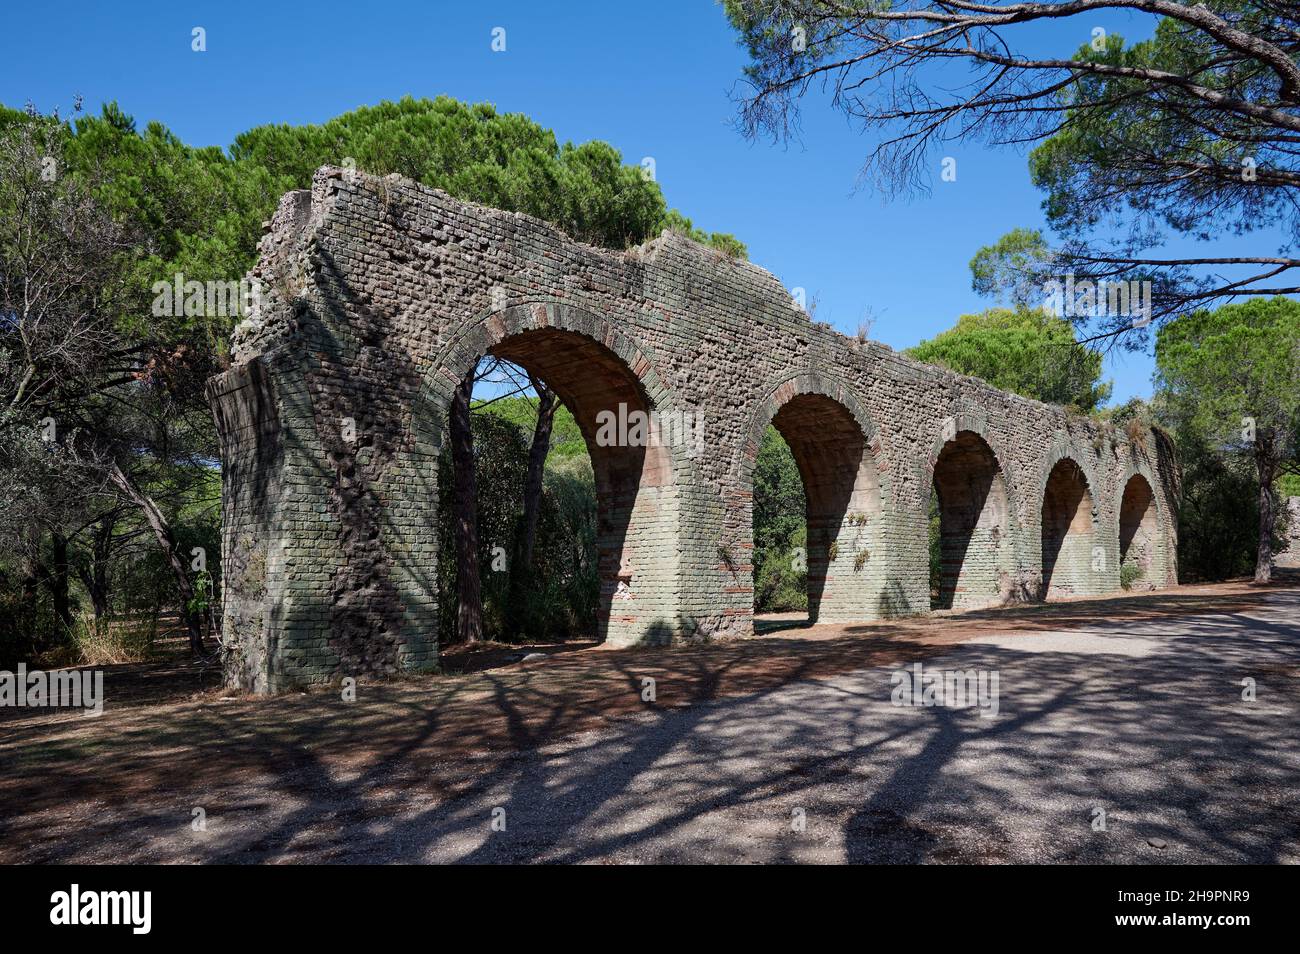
(1132, 703)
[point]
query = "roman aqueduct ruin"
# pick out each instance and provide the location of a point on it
(382, 294)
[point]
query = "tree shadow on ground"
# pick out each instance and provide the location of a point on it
(1129, 709)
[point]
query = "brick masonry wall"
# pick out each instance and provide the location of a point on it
(1289, 554)
(1069, 532)
(381, 294)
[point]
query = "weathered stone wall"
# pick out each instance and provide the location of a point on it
(1289, 554)
(252, 471)
(383, 294)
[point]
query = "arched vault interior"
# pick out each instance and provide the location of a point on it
(842, 488)
(1138, 528)
(971, 492)
(1068, 522)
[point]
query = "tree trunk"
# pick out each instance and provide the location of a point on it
(102, 548)
(57, 581)
(1266, 464)
(31, 584)
(94, 574)
(469, 602)
(167, 541)
(521, 572)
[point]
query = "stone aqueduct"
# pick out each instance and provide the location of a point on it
(382, 294)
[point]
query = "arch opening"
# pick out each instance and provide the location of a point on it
(1068, 525)
(841, 508)
(1137, 533)
(780, 535)
(631, 549)
(970, 508)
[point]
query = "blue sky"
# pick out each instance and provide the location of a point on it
(653, 79)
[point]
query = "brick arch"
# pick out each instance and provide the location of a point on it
(775, 395)
(378, 294)
(1146, 529)
(968, 419)
(837, 448)
(1069, 524)
(595, 370)
(479, 334)
(1061, 449)
(977, 504)
(1139, 467)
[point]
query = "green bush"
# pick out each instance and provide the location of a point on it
(780, 529)
(781, 576)
(1129, 573)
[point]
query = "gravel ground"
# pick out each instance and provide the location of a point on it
(1140, 716)
(1144, 721)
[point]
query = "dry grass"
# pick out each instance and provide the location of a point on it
(112, 642)
(1137, 434)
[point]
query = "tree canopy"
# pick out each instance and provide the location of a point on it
(1227, 379)
(1191, 132)
(472, 152)
(1217, 368)
(1027, 351)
